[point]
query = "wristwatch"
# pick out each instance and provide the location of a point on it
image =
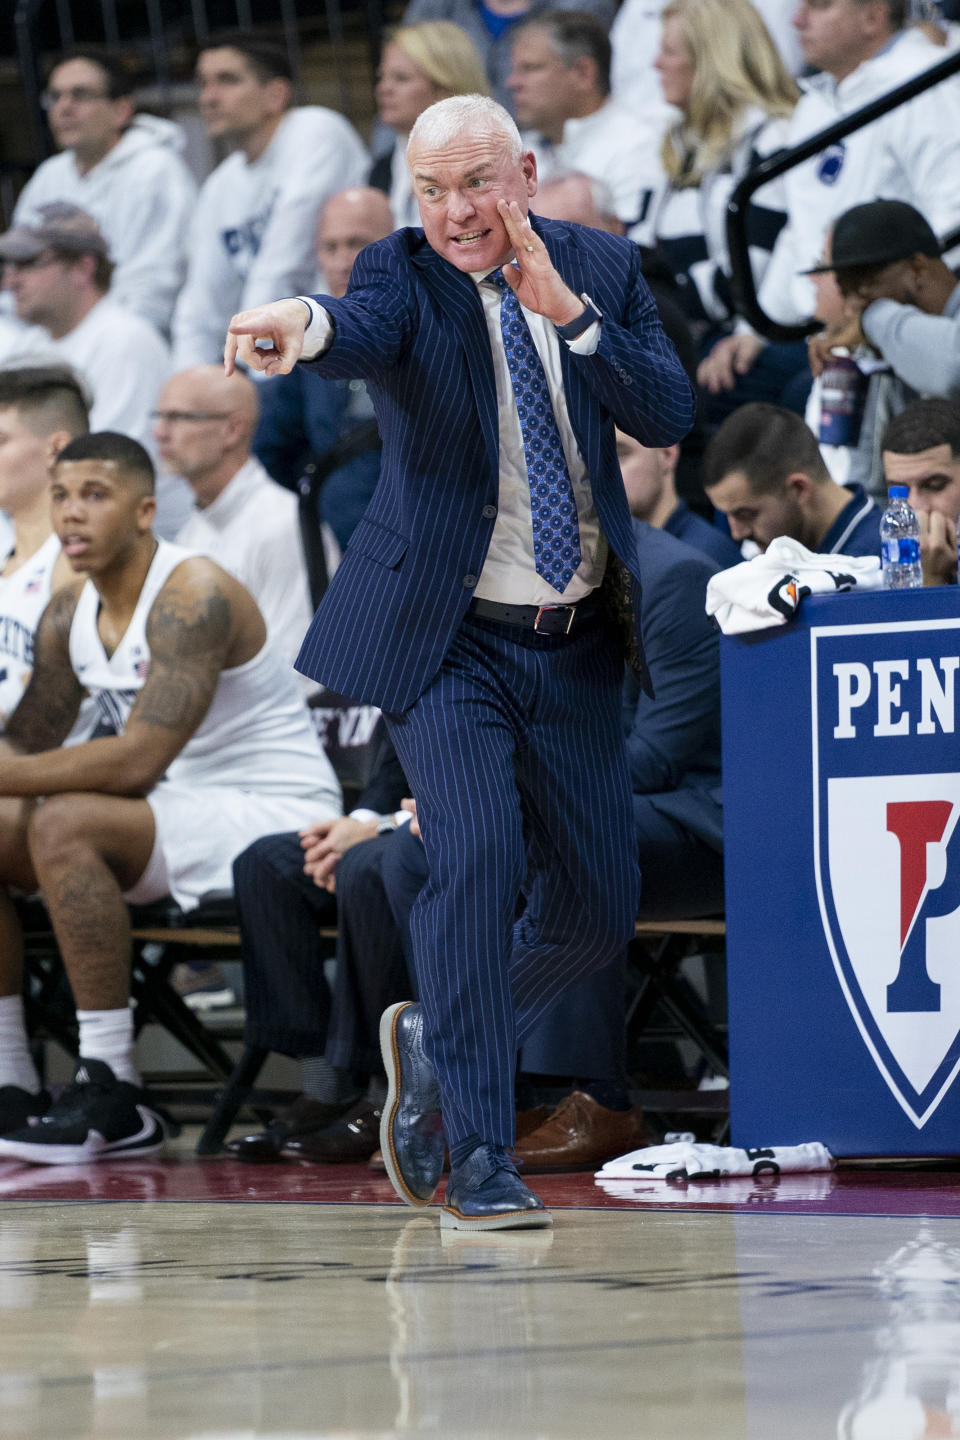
(576, 327)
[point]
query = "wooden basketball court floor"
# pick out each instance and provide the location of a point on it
(187, 1299)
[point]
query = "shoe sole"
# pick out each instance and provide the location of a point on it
(93, 1148)
(512, 1220)
(210, 1000)
(391, 1064)
(71, 1154)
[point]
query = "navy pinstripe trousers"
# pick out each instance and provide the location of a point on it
(515, 755)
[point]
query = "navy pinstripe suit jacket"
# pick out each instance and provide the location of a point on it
(413, 327)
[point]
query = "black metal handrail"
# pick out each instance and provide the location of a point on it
(773, 166)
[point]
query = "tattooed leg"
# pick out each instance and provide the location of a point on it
(15, 869)
(87, 850)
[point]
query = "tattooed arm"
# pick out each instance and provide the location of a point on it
(52, 698)
(190, 632)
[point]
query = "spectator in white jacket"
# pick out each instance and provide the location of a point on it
(719, 66)
(911, 154)
(252, 237)
(560, 84)
(124, 169)
(58, 272)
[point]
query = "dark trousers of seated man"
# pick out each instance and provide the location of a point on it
(288, 1000)
(289, 1005)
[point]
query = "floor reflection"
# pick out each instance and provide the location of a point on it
(160, 1321)
(487, 1330)
(912, 1387)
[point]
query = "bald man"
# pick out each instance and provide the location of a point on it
(330, 423)
(203, 426)
(579, 198)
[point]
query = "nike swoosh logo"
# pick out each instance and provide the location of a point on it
(151, 1130)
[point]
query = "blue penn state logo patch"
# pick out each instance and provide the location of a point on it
(830, 164)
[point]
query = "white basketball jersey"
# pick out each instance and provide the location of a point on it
(23, 599)
(256, 735)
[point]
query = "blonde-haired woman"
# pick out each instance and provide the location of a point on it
(719, 66)
(420, 64)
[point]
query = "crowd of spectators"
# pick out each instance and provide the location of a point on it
(121, 274)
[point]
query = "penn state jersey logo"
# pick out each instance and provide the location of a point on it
(886, 753)
(242, 242)
(830, 164)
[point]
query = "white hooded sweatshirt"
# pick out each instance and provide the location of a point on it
(253, 237)
(143, 196)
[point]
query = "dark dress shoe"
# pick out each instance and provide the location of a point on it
(411, 1130)
(581, 1134)
(19, 1108)
(303, 1117)
(486, 1193)
(347, 1141)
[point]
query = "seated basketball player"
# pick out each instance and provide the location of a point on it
(213, 748)
(42, 408)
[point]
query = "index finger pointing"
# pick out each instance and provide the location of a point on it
(230, 354)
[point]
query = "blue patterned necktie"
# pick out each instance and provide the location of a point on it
(553, 509)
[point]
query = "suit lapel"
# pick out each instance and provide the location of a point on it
(456, 296)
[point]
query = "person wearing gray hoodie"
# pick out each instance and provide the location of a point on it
(124, 169)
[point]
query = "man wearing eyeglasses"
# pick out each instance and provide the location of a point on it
(202, 426)
(59, 272)
(124, 169)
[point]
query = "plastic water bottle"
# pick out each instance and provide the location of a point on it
(900, 543)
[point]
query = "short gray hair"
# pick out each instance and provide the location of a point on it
(446, 119)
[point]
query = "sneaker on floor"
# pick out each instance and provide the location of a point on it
(203, 988)
(19, 1108)
(98, 1117)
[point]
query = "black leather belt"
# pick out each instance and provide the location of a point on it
(541, 619)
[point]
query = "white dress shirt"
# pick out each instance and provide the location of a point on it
(509, 575)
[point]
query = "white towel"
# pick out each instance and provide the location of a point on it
(767, 590)
(691, 1161)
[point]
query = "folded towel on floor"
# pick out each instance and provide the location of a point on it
(691, 1161)
(767, 590)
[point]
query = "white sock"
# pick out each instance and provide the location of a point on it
(107, 1035)
(16, 1064)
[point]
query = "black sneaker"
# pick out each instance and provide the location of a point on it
(18, 1108)
(98, 1117)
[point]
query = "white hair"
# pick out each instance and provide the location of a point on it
(442, 122)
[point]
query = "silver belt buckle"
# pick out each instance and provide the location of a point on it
(549, 610)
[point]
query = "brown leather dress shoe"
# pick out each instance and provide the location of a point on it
(303, 1116)
(581, 1134)
(349, 1140)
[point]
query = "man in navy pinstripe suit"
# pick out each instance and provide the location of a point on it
(500, 690)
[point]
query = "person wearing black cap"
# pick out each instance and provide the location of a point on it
(900, 297)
